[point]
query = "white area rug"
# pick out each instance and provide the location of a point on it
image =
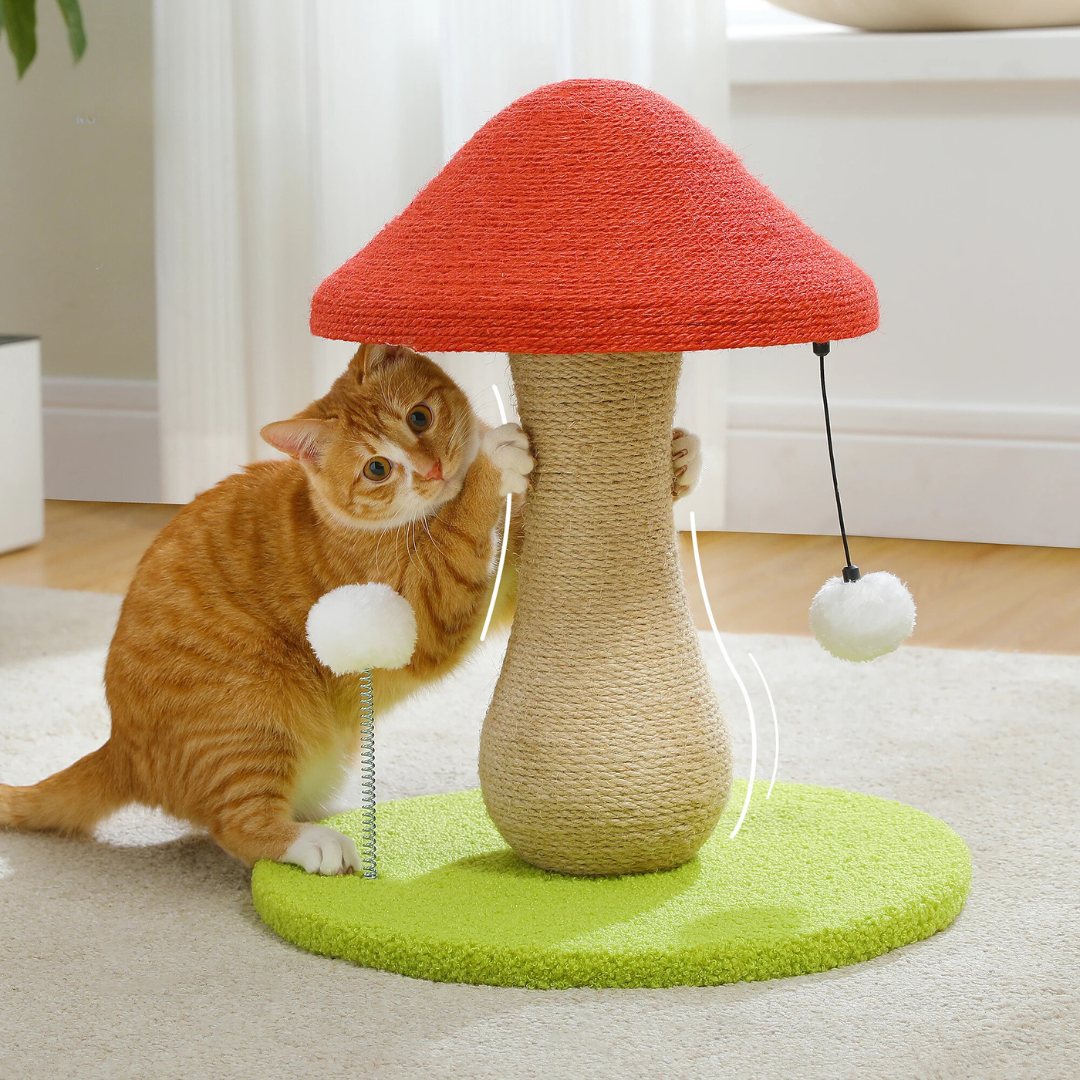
(140, 955)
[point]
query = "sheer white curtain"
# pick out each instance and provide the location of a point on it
(287, 132)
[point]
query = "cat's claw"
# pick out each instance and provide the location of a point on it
(685, 462)
(322, 850)
(508, 449)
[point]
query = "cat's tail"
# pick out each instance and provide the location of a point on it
(73, 800)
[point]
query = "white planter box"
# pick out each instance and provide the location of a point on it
(22, 495)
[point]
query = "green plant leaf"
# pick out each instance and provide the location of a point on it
(73, 20)
(20, 22)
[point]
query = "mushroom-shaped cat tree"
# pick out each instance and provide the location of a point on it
(594, 231)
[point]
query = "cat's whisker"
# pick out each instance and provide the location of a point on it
(432, 538)
(411, 539)
(378, 545)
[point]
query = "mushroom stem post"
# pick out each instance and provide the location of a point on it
(603, 750)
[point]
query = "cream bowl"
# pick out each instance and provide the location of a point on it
(938, 14)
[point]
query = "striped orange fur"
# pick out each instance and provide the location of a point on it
(221, 714)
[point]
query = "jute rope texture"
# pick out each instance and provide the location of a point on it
(594, 216)
(603, 751)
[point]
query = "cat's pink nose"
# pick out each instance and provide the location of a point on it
(435, 472)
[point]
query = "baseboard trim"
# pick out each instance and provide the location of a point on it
(1036, 423)
(981, 473)
(101, 440)
(986, 473)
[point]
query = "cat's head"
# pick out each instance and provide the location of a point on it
(389, 444)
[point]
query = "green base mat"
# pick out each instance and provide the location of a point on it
(816, 878)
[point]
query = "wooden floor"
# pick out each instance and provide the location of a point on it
(971, 596)
(88, 545)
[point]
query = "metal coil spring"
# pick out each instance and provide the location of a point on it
(367, 775)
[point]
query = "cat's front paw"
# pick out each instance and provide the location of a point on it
(685, 462)
(322, 850)
(507, 447)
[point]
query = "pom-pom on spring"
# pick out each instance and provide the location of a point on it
(353, 629)
(368, 858)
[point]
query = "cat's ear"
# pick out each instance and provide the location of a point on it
(305, 440)
(371, 358)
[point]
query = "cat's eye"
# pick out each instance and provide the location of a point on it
(419, 418)
(377, 468)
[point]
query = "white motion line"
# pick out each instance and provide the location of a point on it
(506, 532)
(734, 674)
(775, 726)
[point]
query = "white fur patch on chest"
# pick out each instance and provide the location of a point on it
(321, 777)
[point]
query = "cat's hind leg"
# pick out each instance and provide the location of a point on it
(242, 784)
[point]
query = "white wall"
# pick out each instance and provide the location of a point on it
(77, 245)
(76, 194)
(943, 163)
(960, 418)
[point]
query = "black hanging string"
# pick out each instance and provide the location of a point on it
(851, 572)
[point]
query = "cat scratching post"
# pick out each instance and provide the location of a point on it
(595, 231)
(603, 750)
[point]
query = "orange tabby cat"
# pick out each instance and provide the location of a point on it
(221, 714)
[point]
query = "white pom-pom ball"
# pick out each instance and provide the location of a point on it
(864, 619)
(356, 627)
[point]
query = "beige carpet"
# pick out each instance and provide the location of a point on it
(140, 955)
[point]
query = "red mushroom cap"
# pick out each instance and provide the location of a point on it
(594, 216)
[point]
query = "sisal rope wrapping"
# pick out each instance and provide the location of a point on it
(604, 750)
(594, 216)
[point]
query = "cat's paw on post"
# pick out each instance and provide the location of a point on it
(507, 447)
(685, 462)
(322, 850)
